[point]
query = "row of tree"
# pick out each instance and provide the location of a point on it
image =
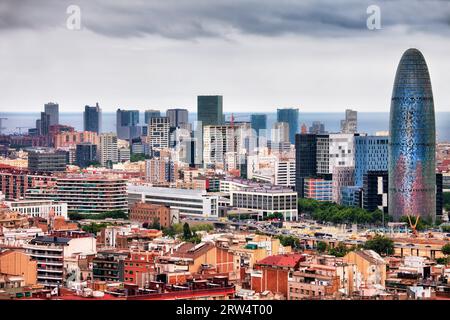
(331, 212)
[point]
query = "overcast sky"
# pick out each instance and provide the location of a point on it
(259, 54)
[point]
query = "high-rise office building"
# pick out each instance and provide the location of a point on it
(371, 154)
(178, 118)
(350, 124)
(343, 176)
(86, 154)
(305, 160)
(342, 150)
(108, 152)
(158, 131)
(127, 124)
(323, 154)
(52, 109)
(412, 145)
(259, 123)
(290, 116)
(92, 118)
(210, 110)
(317, 127)
(151, 113)
(43, 124)
(375, 191)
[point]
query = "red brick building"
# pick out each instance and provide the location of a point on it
(138, 267)
(272, 273)
(148, 213)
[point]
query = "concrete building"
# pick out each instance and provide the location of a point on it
(178, 118)
(188, 202)
(266, 201)
(86, 154)
(16, 263)
(51, 251)
(47, 160)
(39, 208)
(342, 150)
(342, 177)
(108, 150)
(72, 138)
(371, 267)
(90, 194)
(158, 132)
(350, 124)
(161, 171)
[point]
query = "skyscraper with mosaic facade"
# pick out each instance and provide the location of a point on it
(412, 177)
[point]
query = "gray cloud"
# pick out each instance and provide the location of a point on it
(193, 19)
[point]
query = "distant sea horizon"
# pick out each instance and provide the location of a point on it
(368, 122)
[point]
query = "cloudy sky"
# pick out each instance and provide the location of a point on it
(259, 54)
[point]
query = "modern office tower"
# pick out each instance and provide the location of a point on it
(158, 132)
(318, 189)
(259, 123)
(323, 154)
(210, 110)
(342, 177)
(350, 124)
(351, 196)
(317, 127)
(52, 109)
(290, 116)
(47, 160)
(43, 124)
(305, 160)
(86, 154)
(371, 154)
(280, 132)
(127, 124)
(108, 150)
(178, 118)
(160, 170)
(412, 145)
(342, 150)
(375, 191)
(92, 118)
(151, 113)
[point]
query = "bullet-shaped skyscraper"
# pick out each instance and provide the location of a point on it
(412, 177)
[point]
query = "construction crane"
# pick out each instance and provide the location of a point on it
(1, 122)
(20, 129)
(232, 118)
(412, 225)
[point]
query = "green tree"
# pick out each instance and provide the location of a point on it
(291, 241)
(321, 246)
(380, 244)
(187, 233)
(446, 249)
(339, 250)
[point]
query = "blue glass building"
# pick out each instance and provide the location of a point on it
(258, 123)
(289, 116)
(412, 177)
(371, 154)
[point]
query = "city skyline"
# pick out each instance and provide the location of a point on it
(295, 51)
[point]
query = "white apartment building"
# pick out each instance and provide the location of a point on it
(285, 173)
(219, 140)
(39, 208)
(108, 151)
(50, 253)
(189, 202)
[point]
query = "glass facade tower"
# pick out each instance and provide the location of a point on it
(412, 177)
(289, 116)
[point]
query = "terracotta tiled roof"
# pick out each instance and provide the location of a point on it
(282, 260)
